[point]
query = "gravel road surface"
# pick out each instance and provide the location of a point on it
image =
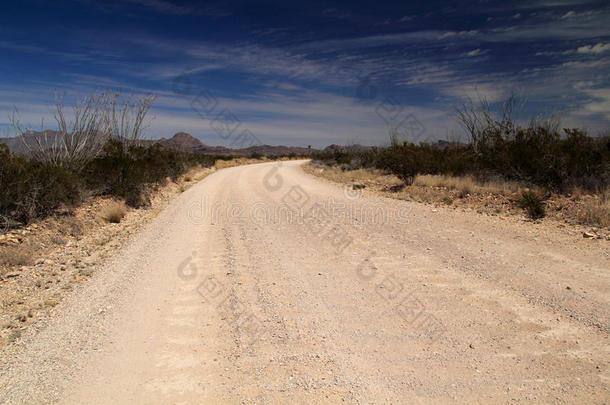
(262, 284)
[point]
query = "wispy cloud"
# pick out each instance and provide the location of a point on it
(285, 80)
(475, 52)
(594, 49)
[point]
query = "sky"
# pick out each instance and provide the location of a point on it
(308, 73)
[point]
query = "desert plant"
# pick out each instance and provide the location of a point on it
(596, 211)
(127, 123)
(533, 204)
(485, 127)
(32, 189)
(96, 119)
(75, 142)
(114, 212)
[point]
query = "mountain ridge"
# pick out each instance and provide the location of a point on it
(181, 141)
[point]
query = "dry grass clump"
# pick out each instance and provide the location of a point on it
(221, 164)
(114, 212)
(358, 175)
(366, 176)
(466, 184)
(596, 211)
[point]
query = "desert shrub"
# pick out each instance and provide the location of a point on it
(596, 211)
(405, 160)
(114, 212)
(31, 188)
(536, 155)
(533, 204)
(130, 172)
(96, 119)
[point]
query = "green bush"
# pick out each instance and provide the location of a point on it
(533, 205)
(34, 189)
(130, 172)
(533, 155)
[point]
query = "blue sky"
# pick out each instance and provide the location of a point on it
(314, 72)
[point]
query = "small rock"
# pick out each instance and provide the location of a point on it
(11, 275)
(471, 346)
(568, 287)
(588, 235)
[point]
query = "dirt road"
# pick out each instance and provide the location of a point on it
(262, 284)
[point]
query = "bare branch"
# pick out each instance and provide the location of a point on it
(96, 118)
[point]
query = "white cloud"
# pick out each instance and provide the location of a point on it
(600, 103)
(475, 52)
(491, 91)
(427, 73)
(594, 49)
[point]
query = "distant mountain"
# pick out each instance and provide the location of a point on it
(16, 144)
(356, 147)
(346, 148)
(181, 141)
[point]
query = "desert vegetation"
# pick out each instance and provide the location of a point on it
(98, 152)
(501, 157)
(114, 212)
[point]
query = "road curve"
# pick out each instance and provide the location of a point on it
(262, 284)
